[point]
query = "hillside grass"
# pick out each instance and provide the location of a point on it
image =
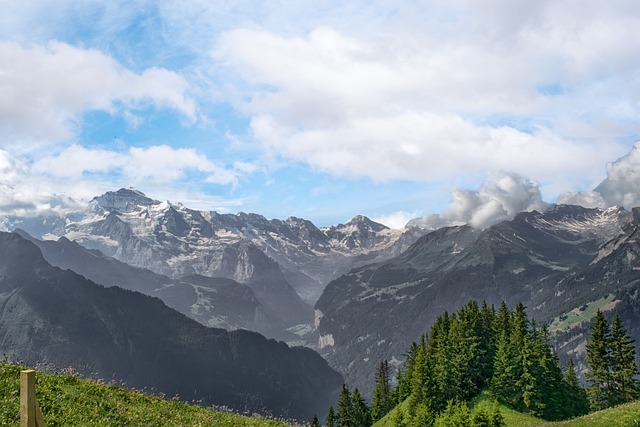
(66, 400)
(627, 415)
(582, 315)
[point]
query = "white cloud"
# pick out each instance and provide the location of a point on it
(45, 89)
(621, 187)
(501, 197)
(58, 184)
(475, 88)
(160, 163)
(396, 219)
(75, 160)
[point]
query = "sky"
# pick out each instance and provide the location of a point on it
(453, 112)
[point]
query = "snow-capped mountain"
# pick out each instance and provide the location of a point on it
(374, 312)
(173, 240)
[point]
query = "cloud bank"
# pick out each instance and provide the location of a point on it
(621, 187)
(45, 90)
(501, 197)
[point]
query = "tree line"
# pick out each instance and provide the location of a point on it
(479, 347)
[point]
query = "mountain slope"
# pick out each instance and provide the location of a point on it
(67, 400)
(60, 318)
(216, 302)
(374, 312)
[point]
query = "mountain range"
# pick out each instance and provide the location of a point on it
(284, 265)
(553, 261)
(59, 318)
(374, 289)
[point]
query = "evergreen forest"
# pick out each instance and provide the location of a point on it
(504, 352)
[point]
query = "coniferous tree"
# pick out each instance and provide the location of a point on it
(488, 341)
(403, 386)
(398, 418)
(599, 359)
(576, 398)
(549, 377)
(382, 398)
(504, 321)
(315, 422)
(420, 378)
(331, 418)
(623, 366)
(361, 414)
(345, 408)
(528, 382)
(503, 383)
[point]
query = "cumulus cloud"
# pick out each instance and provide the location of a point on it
(621, 187)
(44, 90)
(396, 219)
(161, 164)
(62, 183)
(25, 195)
(501, 197)
(493, 89)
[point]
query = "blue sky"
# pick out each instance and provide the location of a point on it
(318, 109)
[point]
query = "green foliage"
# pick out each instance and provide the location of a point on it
(475, 347)
(611, 357)
(627, 415)
(459, 415)
(66, 400)
(345, 416)
(361, 414)
(331, 418)
(599, 359)
(623, 365)
(577, 400)
(383, 400)
(315, 422)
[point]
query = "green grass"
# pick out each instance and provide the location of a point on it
(621, 416)
(67, 400)
(580, 315)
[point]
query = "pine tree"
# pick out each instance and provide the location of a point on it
(577, 400)
(331, 418)
(623, 366)
(361, 414)
(529, 381)
(503, 382)
(599, 359)
(345, 408)
(488, 341)
(552, 386)
(403, 387)
(315, 422)
(382, 398)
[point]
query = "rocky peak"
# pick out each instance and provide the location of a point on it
(361, 222)
(123, 200)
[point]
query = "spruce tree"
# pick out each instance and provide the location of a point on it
(345, 408)
(331, 418)
(575, 396)
(382, 398)
(315, 422)
(361, 414)
(599, 359)
(623, 366)
(503, 382)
